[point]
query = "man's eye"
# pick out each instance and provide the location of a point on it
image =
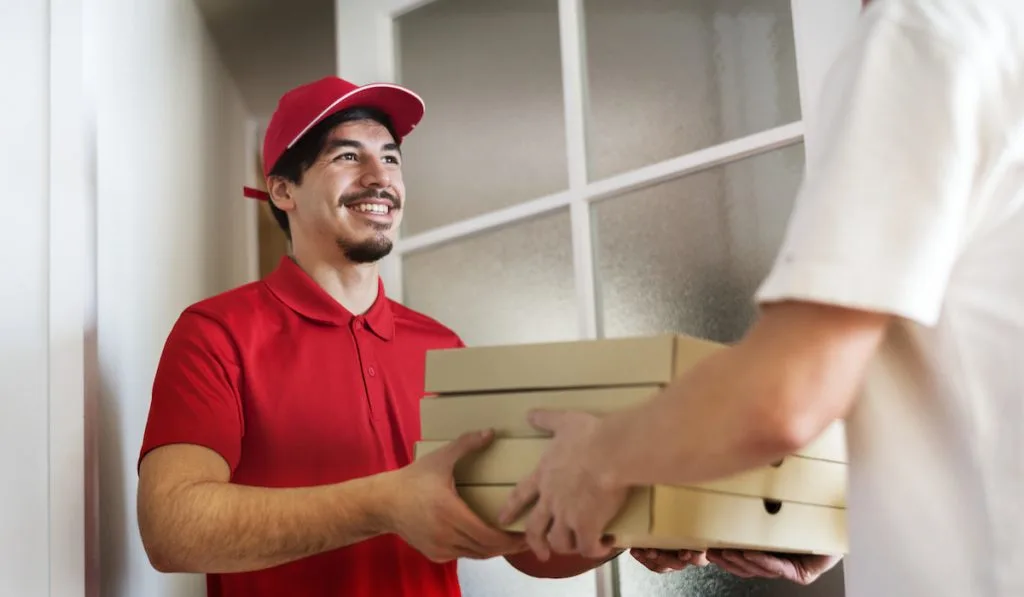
(348, 155)
(391, 159)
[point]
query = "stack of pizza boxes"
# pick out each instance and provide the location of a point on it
(794, 506)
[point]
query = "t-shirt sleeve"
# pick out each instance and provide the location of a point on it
(196, 398)
(882, 213)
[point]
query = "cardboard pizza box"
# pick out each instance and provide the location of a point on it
(662, 517)
(446, 418)
(636, 361)
(794, 479)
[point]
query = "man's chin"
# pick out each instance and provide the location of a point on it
(370, 251)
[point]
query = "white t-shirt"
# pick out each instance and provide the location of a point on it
(913, 204)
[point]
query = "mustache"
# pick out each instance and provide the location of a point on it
(345, 200)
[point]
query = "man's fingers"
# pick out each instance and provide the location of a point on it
(524, 493)
(483, 537)
(466, 444)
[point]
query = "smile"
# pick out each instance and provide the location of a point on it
(371, 208)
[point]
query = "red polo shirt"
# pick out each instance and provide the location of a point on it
(293, 390)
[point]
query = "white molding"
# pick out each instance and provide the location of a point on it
(690, 163)
(487, 221)
(574, 93)
(697, 161)
(68, 197)
(574, 89)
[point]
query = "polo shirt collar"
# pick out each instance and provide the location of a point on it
(296, 289)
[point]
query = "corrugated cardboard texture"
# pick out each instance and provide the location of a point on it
(679, 518)
(449, 417)
(816, 482)
(649, 360)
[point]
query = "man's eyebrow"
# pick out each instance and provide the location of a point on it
(338, 143)
(333, 144)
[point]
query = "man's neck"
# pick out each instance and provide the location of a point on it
(353, 285)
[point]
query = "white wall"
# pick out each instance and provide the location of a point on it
(123, 151)
(24, 329)
(172, 228)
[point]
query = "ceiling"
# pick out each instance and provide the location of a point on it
(270, 46)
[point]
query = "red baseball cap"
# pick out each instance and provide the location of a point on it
(306, 106)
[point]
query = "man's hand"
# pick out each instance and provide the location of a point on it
(573, 504)
(800, 569)
(425, 510)
(662, 560)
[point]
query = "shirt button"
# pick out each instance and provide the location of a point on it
(371, 371)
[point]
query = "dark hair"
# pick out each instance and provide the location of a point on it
(294, 162)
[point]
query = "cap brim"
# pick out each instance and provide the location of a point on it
(404, 107)
(255, 194)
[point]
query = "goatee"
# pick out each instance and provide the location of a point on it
(369, 251)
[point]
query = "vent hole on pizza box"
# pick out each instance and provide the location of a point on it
(778, 463)
(772, 506)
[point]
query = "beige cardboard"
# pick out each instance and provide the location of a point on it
(505, 413)
(651, 360)
(682, 518)
(449, 417)
(796, 479)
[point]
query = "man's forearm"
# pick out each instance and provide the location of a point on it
(215, 527)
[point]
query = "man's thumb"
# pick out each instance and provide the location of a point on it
(466, 444)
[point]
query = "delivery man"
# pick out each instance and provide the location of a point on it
(896, 302)
(277, 457)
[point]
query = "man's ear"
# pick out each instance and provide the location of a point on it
(281, 193)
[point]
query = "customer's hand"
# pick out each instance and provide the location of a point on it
(800, 569)
(661, 560)
(424, 509)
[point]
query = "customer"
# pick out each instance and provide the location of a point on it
(897, 302)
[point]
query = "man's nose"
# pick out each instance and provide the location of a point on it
(375, 175)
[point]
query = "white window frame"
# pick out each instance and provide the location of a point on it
(819, 28)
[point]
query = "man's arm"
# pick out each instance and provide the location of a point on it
(193, 520)
(797, 371)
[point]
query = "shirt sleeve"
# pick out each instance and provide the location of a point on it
(882, 213)
(196, 397)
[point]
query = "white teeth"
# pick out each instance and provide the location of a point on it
(373, 208)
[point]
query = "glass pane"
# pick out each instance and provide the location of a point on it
(497, 578)
(687, 255)
(494, 130)
(512, 285)
(667, 77)
(712, 581)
